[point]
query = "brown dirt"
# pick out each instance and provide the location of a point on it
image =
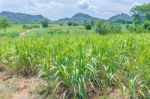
(115, 93)
(16, 87)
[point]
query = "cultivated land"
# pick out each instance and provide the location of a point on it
(74, 63)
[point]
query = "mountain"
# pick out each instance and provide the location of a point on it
(125, 18)
(21, 17)
(77, 18)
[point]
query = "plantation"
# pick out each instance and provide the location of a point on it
(78, 57)
(82, 66)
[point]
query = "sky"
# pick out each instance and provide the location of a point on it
(56, 9)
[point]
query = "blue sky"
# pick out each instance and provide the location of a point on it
(55, 9)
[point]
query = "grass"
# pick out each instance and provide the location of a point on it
(12, 31)
(75, 63)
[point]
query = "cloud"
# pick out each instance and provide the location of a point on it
(86, 5)
(55, 9)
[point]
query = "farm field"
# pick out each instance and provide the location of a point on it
(75, 63)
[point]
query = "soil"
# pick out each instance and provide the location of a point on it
(13, 86)
(17, 87)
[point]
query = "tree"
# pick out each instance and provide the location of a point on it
(88, 27)
(137, 19)
(146, 25)
(88, 24)
(44, 23)
(70, 23)
(104, 27)
(141, 13)
(4, 23)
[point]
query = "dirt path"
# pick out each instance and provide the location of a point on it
(22, 34)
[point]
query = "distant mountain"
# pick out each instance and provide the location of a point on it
(125, 18)
(21, 17)
(78, 18)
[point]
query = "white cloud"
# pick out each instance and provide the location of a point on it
(55, 9)
(86, 5)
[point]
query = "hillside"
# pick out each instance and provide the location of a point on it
(21, 17)
(78, 18)
(123, 18)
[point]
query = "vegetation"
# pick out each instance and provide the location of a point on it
(72, 24)
(78, 63)
(21, 17)
(44, 23)
(121, 18)
(146, 25)
(88, 27)
(89, 24)
(141, 13)
(104, 27)
(4, 23)
(30, 26)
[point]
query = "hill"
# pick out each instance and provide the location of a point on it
(123, 18)
(77, 18)
(21, 17)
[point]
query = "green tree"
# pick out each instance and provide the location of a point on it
(70, 23)
(146, 25)
(88, 27)
(88, 24)
(141, 13)
(103, 27)
(44, 23)
(137, 19)
(4, 23)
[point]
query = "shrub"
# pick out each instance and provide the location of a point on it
(44, 23)
(104, 27)
(135, 29)
(75, 24)
(61, 24)
(35, 26)
(26, 27)
(146, 25)
(4, 23)
(88, 24)
(70, 23)
(30, 26)
(88, 27)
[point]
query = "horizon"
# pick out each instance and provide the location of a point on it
(57, 9)
(63, 17)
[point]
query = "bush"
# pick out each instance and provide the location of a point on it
(30, 26)
(88, 24)
(75, 24)
(104, 27)
(136, 29)
(26, 27)
(61, 24)
(88, 27)
(35, 26)
(44, 23)
(70, 23)
(146, 25)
